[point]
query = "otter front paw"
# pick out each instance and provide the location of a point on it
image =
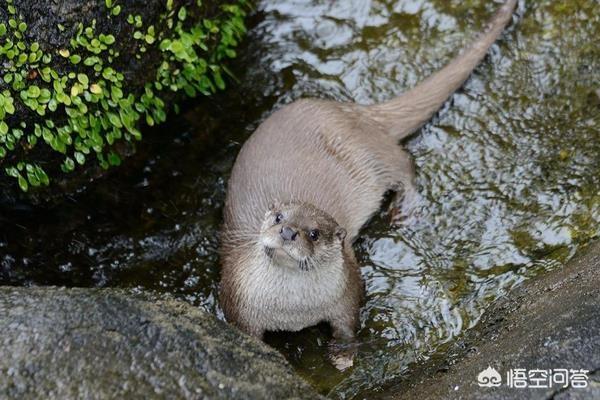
(342, 355)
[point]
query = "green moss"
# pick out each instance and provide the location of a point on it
(85, 109)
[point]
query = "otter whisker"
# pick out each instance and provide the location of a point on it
(269, 251)
(306, 264)
(310, 264)
(302, 264)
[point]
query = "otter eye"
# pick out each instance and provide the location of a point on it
(314, 234)
(278, 218)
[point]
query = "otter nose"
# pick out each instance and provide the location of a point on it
(288, 233)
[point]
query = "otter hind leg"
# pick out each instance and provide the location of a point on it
(403, 208)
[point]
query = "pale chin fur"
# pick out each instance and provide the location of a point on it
(276, 254)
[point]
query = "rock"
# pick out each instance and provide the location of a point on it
(105, 344)
(549, 323)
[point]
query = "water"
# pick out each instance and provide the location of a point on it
(508, 173)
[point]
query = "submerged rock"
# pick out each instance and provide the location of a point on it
(99, 344)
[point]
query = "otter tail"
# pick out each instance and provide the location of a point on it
(405, 114)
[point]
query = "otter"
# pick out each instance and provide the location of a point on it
(304, 184)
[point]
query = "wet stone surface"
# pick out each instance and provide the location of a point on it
(105, 344)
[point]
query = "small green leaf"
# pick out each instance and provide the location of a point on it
(80, 158)
(11, 171)
(9, 108)
(95, 88)
(33, 91)
(83, 79)
(76, 90)
(42, 176)
(23, 183)
(182, 14)
(68, 165)
(116, 93)
(115, 120)
(45, 96)
(109, 39)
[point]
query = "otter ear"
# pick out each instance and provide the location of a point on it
(340, 233)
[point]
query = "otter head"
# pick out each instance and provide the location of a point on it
(299, 235)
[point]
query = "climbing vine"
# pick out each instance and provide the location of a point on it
(80, 100)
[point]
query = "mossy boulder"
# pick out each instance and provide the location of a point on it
(80, 78)
(105, 344)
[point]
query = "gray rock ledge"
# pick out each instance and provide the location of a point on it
(105, 344)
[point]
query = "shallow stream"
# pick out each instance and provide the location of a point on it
(508, 174)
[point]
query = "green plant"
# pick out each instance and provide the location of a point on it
(81, 100)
